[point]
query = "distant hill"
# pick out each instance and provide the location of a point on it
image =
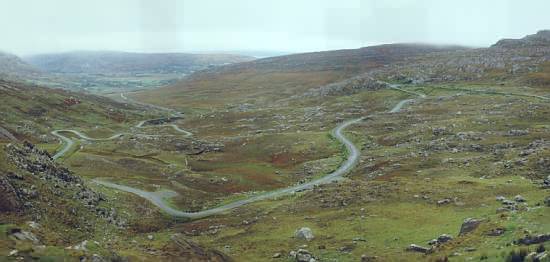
(342, 60)
(30, 112)
(13, 67)
(92, 62)
(541, 38)
(264, 80)
(520, 61)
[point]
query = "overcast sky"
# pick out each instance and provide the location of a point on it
(38, 26)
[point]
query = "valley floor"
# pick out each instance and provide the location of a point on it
(422, 171)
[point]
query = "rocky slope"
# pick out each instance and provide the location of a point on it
(30, 112)
(522, 61)
(48, 211)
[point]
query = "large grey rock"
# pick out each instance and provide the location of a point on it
(304, 233)
(469, 225)
(21, 235)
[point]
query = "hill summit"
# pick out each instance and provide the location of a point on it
(541, 38)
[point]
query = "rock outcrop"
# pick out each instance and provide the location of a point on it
(9, 200)
(469, 225)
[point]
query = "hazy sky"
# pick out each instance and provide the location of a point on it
(36, 26)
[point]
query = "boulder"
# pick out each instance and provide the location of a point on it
(495, 232)
(367, 258)
(304, 233)
(444, 238)
(83, 246)
(469, 225)
(302, 255)
(536, 239)
(500, 198)
(519, 199)
(22, 235)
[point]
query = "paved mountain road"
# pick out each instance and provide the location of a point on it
(347, 166)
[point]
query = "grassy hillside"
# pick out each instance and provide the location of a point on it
(266, 80)
(32, 112)
(466, 160)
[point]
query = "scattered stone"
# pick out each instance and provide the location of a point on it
(420, 249)
(150, 237)
(346, 248)
(500, 198)
(276, 255)
(444, 238)
(443, 201)
(469, 225)
(82, 246)
(359, 239)
(495, 232)
(302, 255)
(470, 249)
(33, 225)
(433, 242)
(519, 199)
(97, 258)
(366, 258)
(304, 233)
(292, 254)
(439, 131)
(516, 132)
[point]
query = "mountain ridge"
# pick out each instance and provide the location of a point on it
(109, 62)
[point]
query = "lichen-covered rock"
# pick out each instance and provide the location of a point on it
(304, 233)
(469, 225)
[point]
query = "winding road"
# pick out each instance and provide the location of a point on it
(70, 143)
(353, 157)
(158, 198)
